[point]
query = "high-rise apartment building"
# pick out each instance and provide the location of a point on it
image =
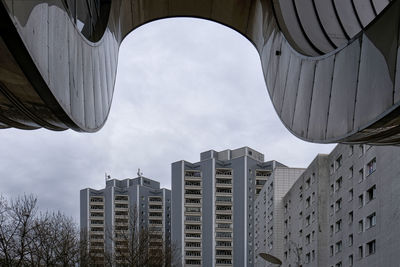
(342, 211)
(213, 206)
(269, 212)
(305, 220)
(108, 214)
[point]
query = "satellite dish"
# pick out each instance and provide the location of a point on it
(270, 258)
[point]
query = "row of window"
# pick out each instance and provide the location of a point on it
(370, 221)
(363, 251)
(370, 167)
(363, 199)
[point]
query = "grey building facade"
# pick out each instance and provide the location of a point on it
(342, 211)
(138, 202)
(305, 218)
(213, 206)
(364, 206)
(269, 212)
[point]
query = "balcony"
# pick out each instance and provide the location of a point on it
(156, 208)
(223, 185)
(155, 201)
(96, 200)
(96, 223)
(221, 191)
(155, 222)
(193, 228)
(121, 206)
(96, 207)
(193, 176)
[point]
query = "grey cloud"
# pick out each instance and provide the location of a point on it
(183, 86)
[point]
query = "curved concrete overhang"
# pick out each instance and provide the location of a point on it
(331, 67)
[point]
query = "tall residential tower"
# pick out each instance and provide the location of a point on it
(213, 206)
(108, 213)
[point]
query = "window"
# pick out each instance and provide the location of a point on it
(360, 252)
(338, 247)
(300, 214)
(371, 166)
(331, 169)
(308, 183)
(360, 150)
(370, 221)
(331, 250)
(339, 264)
(308, 202)
(308, 258)
(331, 229)
(360, 200)
(313, 197)
(338, 225)
(351, 150)
(360, 175)
(300, 232)
(371, 247)
(371, 193)
(360, 226)
(308, 239)
(339, 183)
(351, 260)
(313, 255)
(351, 172)
(350, 242)
(331, 210)
(332, 189)
(339, 162)
(351, 217)
(308, 220)
(351, 193)
(338, 205)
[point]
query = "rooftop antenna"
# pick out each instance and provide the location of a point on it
(139, 173)
(107, 176)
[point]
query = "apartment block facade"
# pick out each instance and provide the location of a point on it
(213, 206)
(107, 214)
(344, 210)
(269, 212)
(305, 219)
(364, 206)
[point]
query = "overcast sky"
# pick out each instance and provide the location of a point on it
(183, 86)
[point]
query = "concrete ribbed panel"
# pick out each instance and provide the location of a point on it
(303, 99)
(287, 19)
(281, 77)
(321, 94)
(344, 84)
(330, 22)
(312, 26)
(365, 11)
(289, 99)
(320, 99)
(347, 17)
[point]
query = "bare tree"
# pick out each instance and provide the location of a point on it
(137, 245)
(15, 229)
(29, 238)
